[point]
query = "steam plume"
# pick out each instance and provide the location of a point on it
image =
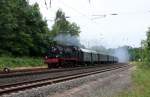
(68, 39)
(122, 54)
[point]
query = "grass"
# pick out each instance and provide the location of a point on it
(141, 83)
(11, 62)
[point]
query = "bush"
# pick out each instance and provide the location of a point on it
(12, 62)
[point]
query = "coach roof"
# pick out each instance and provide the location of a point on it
(88, 51)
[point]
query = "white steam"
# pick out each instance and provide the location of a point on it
(122, 54)
(68, 39)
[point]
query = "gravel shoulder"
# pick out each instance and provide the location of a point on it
(102, 87)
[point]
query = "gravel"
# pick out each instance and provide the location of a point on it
(98, 85)
(106, 87)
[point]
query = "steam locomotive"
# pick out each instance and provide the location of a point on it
(72, 56)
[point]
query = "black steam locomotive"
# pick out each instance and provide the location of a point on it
(72, 56)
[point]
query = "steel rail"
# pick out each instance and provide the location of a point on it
(5, 75)
(27, 85)
(56, 73)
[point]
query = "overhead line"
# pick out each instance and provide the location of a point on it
(75, 10)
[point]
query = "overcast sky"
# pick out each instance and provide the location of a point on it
(98, 25)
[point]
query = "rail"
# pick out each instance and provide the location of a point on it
(10, 88)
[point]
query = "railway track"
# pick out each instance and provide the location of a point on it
(41, 70)
(19, 77)
(11, 88)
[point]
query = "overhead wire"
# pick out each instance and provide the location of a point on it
(78, 12)
(91, 18)
(73, 9)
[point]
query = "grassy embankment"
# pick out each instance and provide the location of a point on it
(12, 62)
(141, 82)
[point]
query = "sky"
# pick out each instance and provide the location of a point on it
(99, 25)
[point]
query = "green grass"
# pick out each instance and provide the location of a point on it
(12, 62)
(141, 83)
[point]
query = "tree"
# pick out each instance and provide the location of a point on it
(63, 26)
(145, 49)
(135, 54)
(22, 30)
(146, 45)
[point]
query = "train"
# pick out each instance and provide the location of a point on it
(73, 56)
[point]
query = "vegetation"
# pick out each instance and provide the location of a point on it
(23, 32)
(141, 53)
(135, 54)
(13, 62)
(63, 26)
(146, 48)
(141, 82)
(63, 31)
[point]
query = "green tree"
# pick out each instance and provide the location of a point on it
(146, 45)
(22, 30)
(135, 54)
(63, 26)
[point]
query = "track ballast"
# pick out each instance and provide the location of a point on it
(64, 76)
